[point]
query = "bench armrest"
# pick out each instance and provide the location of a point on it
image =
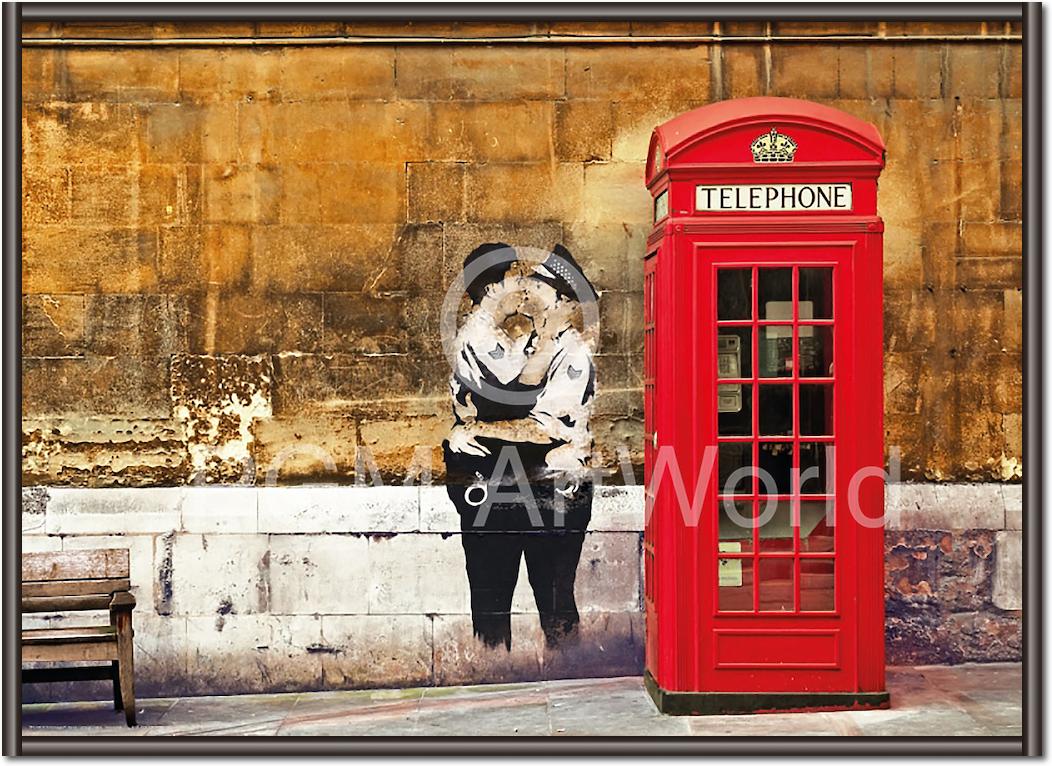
(122, 600)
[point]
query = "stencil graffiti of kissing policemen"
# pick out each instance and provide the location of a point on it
(518, 455)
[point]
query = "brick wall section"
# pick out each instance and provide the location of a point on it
(282, 221)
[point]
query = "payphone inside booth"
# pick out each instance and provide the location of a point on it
(763, 395)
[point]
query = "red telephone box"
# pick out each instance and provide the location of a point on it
(764, 398)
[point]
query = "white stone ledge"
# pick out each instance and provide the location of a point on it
(339, 509)
(945, 506)
(398, 509)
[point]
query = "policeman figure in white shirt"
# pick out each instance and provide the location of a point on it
(517, 458)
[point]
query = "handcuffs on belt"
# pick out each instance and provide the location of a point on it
(482, 486)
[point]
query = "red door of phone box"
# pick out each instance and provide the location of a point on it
(763, 545)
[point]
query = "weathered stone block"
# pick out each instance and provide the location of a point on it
(230, 193)
(1013, 499)
(617, 509)
(352, 192)
(917, 71)
(410, 447)
(357, 322)
(334, 383)
(53, 325)
(993, 238)
(490, 132)
(45, 194)
(215, 510)
(497, 73)
(113, 511)
(610, 254)
(60, 135)
(136, 326)
(334, 131)
(524, 192)
(104, 450)
(634, 123)
(397, 588)
(336, 73)
(1010, 206)
(325, 257)
(945, 506)
(218, 575)
(423, 72)
(948, 572)
(122, 74)
(459, 658)
(613, 193)
(248, 653)
(608, 576)
(38, 74)
(318, 447)
(977, 178)
(909, 320)
(1008, 570)
(112, 260)
(172, 133)
(632, 73)
(319, 574)
(217, 399)
(978, 319)
(436, 191)
(161, 654)
(229, 74)
(253, 323)
(39, 543)
(166, 195)
(583, 130)
(744, 71)
(805, 71)
(970, 71)
(305, 510)
(437, 512)
(133, 388)
(367, 651)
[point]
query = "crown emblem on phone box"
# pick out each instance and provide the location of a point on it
(773, 147)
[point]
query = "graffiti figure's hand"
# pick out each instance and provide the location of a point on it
(567, 462)
(462, 440)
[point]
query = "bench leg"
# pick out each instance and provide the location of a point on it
(116, 678)
(125, 663)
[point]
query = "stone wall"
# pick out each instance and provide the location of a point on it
(347, 587)
(284, 220)
(233, 262)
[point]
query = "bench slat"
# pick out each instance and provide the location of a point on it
(67, 603)
(74, 587)
(70, 652)
(84, 634)
(75, 565)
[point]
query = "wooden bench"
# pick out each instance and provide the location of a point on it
(79, 581)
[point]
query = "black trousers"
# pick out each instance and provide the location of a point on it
(496, 534)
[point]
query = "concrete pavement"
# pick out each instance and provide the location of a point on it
(977, 700)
